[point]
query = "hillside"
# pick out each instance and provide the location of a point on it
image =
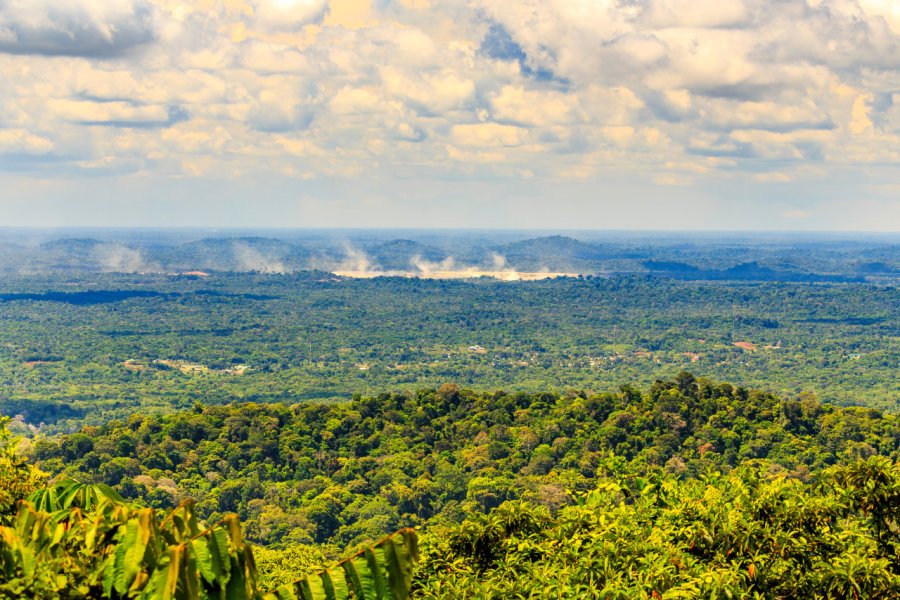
(348, 472)
(749, 271)
(240, 254)
(554, 253)
(402, 255)
(639, 531)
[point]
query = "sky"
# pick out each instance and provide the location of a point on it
(570, 114)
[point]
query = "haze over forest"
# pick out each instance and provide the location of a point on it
(505, 255)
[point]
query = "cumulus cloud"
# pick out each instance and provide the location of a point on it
(489, 135)
(697, 13)
(19, 141)
(672, 91)
(118, 114)
(288, 15)
(89, 28)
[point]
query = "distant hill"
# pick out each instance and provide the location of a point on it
(266, 255)
(748, 271)
(557, 246)
(224, 245)
(11, 250)
(13, 257)
(89, 254)
(555, 253)
(664, 266)
(398, 255)
(681, 257)
(72, 247)
(877, 267)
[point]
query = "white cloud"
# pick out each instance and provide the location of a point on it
(89, 112)
(697, 13)
(889, 10)
(533, 107)
(288, 15)
(262, 57)
(352, 101)
(21, 141)
(91, 28)
(491, 135)
(676, 92)
(431, 92)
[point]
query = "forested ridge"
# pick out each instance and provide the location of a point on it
(690, 488)
(344, 473)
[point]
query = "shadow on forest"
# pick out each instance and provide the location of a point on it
(40, 411)
(92, 297)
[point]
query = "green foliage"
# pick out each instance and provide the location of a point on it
(690, 488)
(89, 543)
(69, 493)
(75, 540)
(18, 477)
(874, 488)
(277, 565)
(86, 352)
(379, 572)
(747, 534)
(346, 473)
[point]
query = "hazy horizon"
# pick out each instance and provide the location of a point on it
(534, 231)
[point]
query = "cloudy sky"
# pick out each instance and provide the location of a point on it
(597, 114)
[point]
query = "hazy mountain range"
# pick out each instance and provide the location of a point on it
(700, 257)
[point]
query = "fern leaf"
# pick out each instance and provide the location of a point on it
(335, 583)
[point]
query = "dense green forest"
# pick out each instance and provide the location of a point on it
(745, 535)
(690, 488)
(345, 473)
(80, 349)
(253, 432)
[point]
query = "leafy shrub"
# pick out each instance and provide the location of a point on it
(746, 534)
(73, 540)
(18, 477)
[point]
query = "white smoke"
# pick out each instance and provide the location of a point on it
(427, 268)
(355, 263)
(251, 259)
(118, 258)
(502, 269)
(357, 260)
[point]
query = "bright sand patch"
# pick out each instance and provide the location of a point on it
(464, 274)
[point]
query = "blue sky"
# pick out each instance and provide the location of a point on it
(589, 114)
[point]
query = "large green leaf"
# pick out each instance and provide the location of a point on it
(382, 571)
(70, 493)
